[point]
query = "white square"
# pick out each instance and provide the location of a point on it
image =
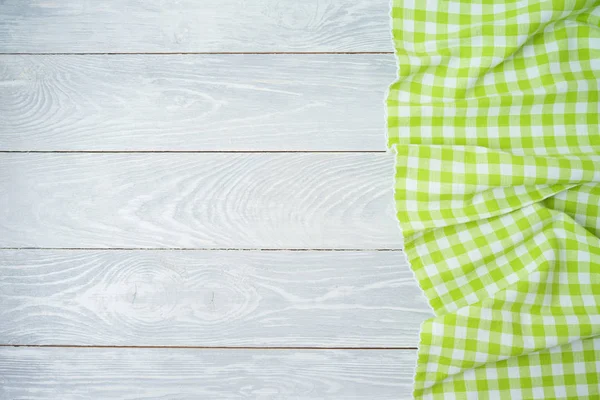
(510, 76)
(537, 392)
(582, 391)
(494, 395)
(528, 52)
(476, 9)
(506, 169)
(522, 39)
(536, 109)
(529, 343)
(491, 373)
(471, 111)
(523, 18)
(454, 7)
(565, 301)
(449, 131)
(450, 82)
(431, 270)
(507, 316)
(471, 298)
(579, 367)
(506, 340)
(458, 354)
(411, 205)
(481, 357)
(499, 8)
(492, 289)
(443, 243)
(529, 171)
(554, 68)
(458, 167)
(471, 132)
(530, 298)
(431, 27)
(486, 315)
(489, 80)
(450, 396)
(545, 16)
(535, 371)
(426, 111)
(461, 281)
(426, 131)
(553, 173)
(435, 165)
(475, 255)
(427, 79)
(410, 183)
(460, 332)
(589, 300)
(572, 320)
(575, 66)
(441, 290)
(464, 236)
(435, 350)
(537, 131)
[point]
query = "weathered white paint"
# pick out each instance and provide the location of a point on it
(283, 201)
(200, 374)
(194, 102)
(62, 26)
(209, 298)
(199, 102)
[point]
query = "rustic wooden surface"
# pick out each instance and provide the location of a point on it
(209, 298)
(203, 200)
(82, 26)
(180, 222)
(190, 102)
(68, 373)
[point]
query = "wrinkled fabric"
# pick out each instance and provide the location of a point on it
(494, 120)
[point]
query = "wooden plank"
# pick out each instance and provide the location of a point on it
(67, 373)
(194, 102)
(193, 26)
(209, 298)
(283, 201)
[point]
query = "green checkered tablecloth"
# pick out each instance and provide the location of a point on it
(494, 119)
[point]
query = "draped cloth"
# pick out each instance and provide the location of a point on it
(494, 120)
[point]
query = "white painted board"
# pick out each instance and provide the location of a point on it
(282, 201)
(200, 374)
(64, 26)
(209, 298)
(240, 102)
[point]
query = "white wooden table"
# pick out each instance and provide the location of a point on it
(195, 202)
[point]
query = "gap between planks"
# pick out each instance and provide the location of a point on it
(197, 53)
(190, 151)
(91, 346)
(191, 249)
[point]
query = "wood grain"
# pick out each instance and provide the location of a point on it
(209, 298)
(59, 373)
(283, 201)
(193, 26)
(194, 102)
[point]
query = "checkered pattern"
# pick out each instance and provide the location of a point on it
(495, 123)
